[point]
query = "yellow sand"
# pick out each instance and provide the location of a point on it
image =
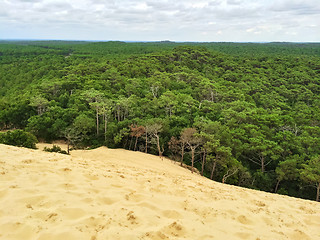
(119, 194)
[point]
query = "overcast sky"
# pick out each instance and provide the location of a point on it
(152, 20)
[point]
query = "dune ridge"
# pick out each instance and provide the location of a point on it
(118, 194)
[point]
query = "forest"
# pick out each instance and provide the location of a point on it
(246, 114)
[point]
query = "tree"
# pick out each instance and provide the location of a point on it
(287, 170)
(124, 132)
(73, 137)
(40, 126)
(216, 145)
(94, 98)
(121, 108)
(222, 156)
(105, 109)
(83, 126)
(310, 173)
(174, 146)
(136, 131)
(39, 102)
(193, 141)
(261, 150)
(168, 101)
(209, 147)
(155, 129)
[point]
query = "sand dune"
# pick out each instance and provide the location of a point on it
(118, 194)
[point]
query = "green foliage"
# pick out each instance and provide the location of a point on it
(254, 107)
(310, 173)
(19, 138)
(55, 148)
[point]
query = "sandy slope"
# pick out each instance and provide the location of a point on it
(118, 194)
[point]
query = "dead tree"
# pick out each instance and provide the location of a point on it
(155, 129)
(136, 131)
(193, 141)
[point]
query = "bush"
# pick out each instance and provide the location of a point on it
(19, 138)
(55, 148)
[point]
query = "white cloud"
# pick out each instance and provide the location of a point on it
(181, 20)
(234, 2)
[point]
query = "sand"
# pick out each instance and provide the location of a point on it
(119, 194)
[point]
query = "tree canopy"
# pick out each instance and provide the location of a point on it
(241, 113)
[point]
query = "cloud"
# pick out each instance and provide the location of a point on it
(233, 2)
(201, 20)
(28, 1)
(297, 6)
(53, 7)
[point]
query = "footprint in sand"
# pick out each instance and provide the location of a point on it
(28, 161)
(307, 210)
(87, 200)
(16, 230)
(148, 205)
(312, 220)
(258, 203)
(3, 193)
(268, 221)
(135, 197)
(171, 214)
(132, 218)
(96, 224)
(67, 186)
(155, 235)
(91, 177)
(244, 220)
(34, 201)
(72, 213)
(175, 230)
(243, 235)
(59, 235)
(44, 215)
(298, 235)
(52, 217)
(66, 169)
(107, 200)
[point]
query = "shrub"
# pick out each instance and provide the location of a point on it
(19, 138)
(55, 148)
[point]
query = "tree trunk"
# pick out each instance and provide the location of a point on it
(125, 143)
(130, 143)
(192, 158)
(158, 145)
(182, 153)
(118, 113)
(97, 116)
(203, 162)
(135, 145)
(227, 175)
(68, 146)
(276, 189)
(318, 192)
(262, 163)
(146, 151)
(213, 168)
(105, 127)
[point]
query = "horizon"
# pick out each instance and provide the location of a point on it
(152, 41)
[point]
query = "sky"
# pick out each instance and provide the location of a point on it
(157, 20)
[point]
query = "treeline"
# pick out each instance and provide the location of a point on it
(247, 115)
